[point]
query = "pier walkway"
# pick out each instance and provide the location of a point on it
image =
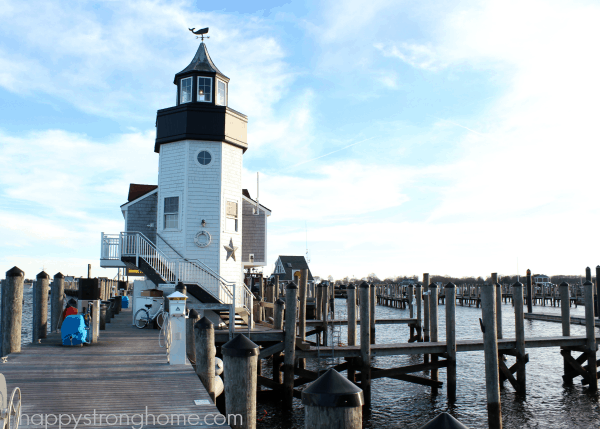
(125, 373)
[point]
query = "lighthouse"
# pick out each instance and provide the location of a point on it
(201, 142)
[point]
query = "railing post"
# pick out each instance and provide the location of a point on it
(137, 250)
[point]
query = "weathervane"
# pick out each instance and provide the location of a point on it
(200, 33)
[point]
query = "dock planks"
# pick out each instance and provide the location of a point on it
(125, 372)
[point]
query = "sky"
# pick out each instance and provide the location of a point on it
(392, 137)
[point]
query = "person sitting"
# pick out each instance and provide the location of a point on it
(69, 310)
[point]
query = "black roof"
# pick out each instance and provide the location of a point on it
(202, 63)
(293, 263)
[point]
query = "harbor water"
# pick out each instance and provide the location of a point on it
(399, 404)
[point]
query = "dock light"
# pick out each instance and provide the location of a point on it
(203, 223)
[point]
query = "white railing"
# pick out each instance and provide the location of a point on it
(135, 244)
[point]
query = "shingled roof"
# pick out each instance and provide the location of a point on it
(137, 190)
(202, 62)
(291, 263)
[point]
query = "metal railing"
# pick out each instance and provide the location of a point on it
(136, 244)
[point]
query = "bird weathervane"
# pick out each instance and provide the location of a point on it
(200, 33)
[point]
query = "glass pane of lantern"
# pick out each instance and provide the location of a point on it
(186, 90)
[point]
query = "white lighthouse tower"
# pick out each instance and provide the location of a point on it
(201, 142)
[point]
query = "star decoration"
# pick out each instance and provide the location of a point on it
(230, 250)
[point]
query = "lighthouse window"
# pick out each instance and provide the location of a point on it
(231, 221)
(186, 90)
(221, 93)
(171, 212)
(205, 89)
(204, 157)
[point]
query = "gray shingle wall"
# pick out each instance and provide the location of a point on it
(253, 233)
(141, 214)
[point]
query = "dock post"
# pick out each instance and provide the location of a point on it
(520, 339)
(56, 300)
(590, 328)
(529, 293)
(190, 340)
(419, 311)
(240, 357)
(278, 324)
(365, 342)
(588, 274)
(598, 291)
(490, 349)
(433, 327)
(332, 401)
(351, 305)
(40, 307)
(410, 295)
(204, 339)
(498, 305)
(426, 313)
(102, 316)
(291, 302)
(450, 292)
(302, 311)
(565, 312)
(324, 303)
(12, 311)
(373, 303)
(318, 302)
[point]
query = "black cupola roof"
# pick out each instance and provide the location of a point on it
(201, 63)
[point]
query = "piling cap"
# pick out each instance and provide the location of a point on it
(433, 284)
(280, 301)
(528, 272)
(351, 287)
(563, 284)
(332, 390)
(498, 284)
(364, 285)
(291, 285)
(517, 284)
(444, 421)
(240, 346)
(450, 285)
(15, 272)
(588, 283)
(193, 314)
(203, 323)
(59, 275)
(43, 275)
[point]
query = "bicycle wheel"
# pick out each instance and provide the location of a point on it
(141, 318)
(160, 319)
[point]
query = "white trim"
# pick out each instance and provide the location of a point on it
(209, 92)
(217, 92)
(162, 212)
(126, 205)
(251, 201)
(237, 202)
(184, 217)
(191, 90)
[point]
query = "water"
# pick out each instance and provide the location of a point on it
(398, 404)
(27, 318)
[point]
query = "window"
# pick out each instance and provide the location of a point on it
(186, 90)
(204, 157)
(221, 93)
(171, 213)
(231, 220)
(205, 89)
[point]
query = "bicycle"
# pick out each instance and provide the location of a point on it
(143, 317)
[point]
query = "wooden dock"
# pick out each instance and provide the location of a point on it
(556, 318)
(126, 372)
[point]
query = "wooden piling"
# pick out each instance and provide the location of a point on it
(12, 311)
(331, 401)
(40, 307)
(365, 342)
(450, 292)
(498, 305)
(278, 324)
(433, 330)
(529, 293)
(426, 312)
(598, 291)
(190, 341)
(56, 300)
(351, 305)
(324, 312)
(102, 316)
(490, 349)
(590, 329)
(204, 342)
(291, 299)
(302, 311)
(419, 293)
(240, 357)
(372, 302)
(520, 339)
(565, 311)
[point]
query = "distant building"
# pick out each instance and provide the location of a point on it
(288, 268)
(541, 279)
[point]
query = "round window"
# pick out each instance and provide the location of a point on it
(204, 157)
